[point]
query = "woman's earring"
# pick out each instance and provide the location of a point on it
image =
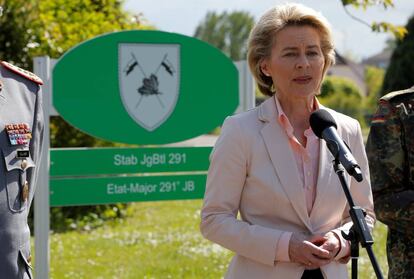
(272, 88)
(264, 72)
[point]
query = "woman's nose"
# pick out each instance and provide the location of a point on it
(303, 62)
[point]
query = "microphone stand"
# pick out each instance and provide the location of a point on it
(359, 232)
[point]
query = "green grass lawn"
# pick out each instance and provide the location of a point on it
(158, 240)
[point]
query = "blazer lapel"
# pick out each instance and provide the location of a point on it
(324, 177)
(283, 160)
(325, 174)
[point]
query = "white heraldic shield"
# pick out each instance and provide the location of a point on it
(149, 79)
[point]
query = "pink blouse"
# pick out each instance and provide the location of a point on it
(307, 161)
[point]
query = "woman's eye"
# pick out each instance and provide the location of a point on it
(290, 54)
(313, 53)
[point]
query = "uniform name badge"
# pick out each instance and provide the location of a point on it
(21, 154)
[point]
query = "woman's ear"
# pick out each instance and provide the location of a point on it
(264, 68)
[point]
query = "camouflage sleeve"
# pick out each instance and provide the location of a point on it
(393, 201)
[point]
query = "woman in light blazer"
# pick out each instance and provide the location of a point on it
(269, 168)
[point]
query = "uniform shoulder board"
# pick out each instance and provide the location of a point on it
(394, 94)
(24, 73)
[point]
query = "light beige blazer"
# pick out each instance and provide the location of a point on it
(253, 172)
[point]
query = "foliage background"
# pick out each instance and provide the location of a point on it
(342, 95)
(400, 72)
(35, 28)
(227, 31)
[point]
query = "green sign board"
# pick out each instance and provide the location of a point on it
(145, 87)
(98, 161)
(89, 191)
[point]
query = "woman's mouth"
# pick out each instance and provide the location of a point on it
(302, 79)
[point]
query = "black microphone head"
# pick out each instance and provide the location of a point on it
(320, 120)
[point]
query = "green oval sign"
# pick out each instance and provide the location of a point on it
(145, 87)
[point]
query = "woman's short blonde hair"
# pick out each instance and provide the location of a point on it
(262, 38)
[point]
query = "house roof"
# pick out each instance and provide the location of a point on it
(344, 67)
(381, 59)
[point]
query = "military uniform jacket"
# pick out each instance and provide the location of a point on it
(20, 146)
(390, 150)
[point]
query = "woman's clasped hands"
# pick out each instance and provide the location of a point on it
(314, 251)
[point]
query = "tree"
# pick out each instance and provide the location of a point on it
(17, 31)
(32, 28)
(62, 24)
(374, 78)
(398, 31)
(227, 31)
(342, 95)
(400, 72)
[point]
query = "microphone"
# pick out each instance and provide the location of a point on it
(324, 127)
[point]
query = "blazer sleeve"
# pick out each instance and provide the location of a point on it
(226, 178)
(360, 191)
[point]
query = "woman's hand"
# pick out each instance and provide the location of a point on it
(331, 243)
(302, 250)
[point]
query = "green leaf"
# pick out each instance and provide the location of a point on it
(397, 31)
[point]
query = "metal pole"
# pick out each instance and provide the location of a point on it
(247, 97)
(41, 67)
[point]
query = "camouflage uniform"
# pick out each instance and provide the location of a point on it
(390, 150)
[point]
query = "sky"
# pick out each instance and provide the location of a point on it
(351, 37)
